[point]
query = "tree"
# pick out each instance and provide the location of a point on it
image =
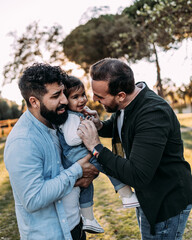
(9, 110)
(4, 110)
(137, 33)
(87, 43)
(181, 93)
(165, 23)
(15, 111)
(169, 90)
(35, 45)
(189, 92)
(108, 35)
(143, 29)
(93, 12)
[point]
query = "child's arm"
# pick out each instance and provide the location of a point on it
(69, 129)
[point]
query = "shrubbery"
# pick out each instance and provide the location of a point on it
(9, 110)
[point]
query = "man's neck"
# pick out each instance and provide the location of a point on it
(130, 97)
(38, 116)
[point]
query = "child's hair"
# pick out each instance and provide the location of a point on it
(73, 84)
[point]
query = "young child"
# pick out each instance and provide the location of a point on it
(73, 150)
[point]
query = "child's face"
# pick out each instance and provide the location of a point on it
(77, 100)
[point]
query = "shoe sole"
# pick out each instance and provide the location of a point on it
(132, 205)
(91, 229)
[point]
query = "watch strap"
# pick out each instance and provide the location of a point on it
(97, 149)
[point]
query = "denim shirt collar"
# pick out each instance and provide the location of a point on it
(30, 116)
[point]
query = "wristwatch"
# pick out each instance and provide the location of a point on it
(97, 149)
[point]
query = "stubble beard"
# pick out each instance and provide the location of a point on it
(112, 109)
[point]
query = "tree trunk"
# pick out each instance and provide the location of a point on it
(191, 106)
(159, 82)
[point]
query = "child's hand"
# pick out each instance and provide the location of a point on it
(88, 111)
(94, 117)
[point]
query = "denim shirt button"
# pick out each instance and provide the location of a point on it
(59, 201)
(63, 220)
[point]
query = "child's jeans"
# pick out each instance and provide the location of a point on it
(71, 155)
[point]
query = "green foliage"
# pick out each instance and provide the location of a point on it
(169, 89)
(93, 12)
(184, 92)
(35, 45)
(8, 224)
(87, 43)
(188, 90)
(138, 6)
(133, 35)
(9, 110)
(106, 36)
(167, 21)
(164, 23)
(187, 136)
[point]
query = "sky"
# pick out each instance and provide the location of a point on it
(16, 15)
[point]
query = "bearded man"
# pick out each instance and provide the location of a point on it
(46, 197)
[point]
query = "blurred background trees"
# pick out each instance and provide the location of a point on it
(9, 110)
(140, 31)
(34, 45)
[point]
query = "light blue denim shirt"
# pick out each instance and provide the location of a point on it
(38, 185)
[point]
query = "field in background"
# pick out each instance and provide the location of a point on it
(185, 120)
(119, 223)
(186, 127)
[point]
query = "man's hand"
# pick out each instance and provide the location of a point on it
(89, 170)
(84, 182)
(94, 117)
(88, 133)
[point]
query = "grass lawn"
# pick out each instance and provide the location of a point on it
(118, 223)
(8, 226)
(185, 119)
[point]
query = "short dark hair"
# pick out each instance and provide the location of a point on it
(34, 78)
(117, 73)
(73, 84)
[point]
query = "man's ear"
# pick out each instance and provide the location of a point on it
(121, 96)
(35, 103)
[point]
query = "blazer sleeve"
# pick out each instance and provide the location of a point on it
(149, 141)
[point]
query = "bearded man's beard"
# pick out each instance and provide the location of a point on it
(52, 116)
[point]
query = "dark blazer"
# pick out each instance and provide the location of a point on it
(154, 163)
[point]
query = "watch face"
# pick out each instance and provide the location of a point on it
(99, 147)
